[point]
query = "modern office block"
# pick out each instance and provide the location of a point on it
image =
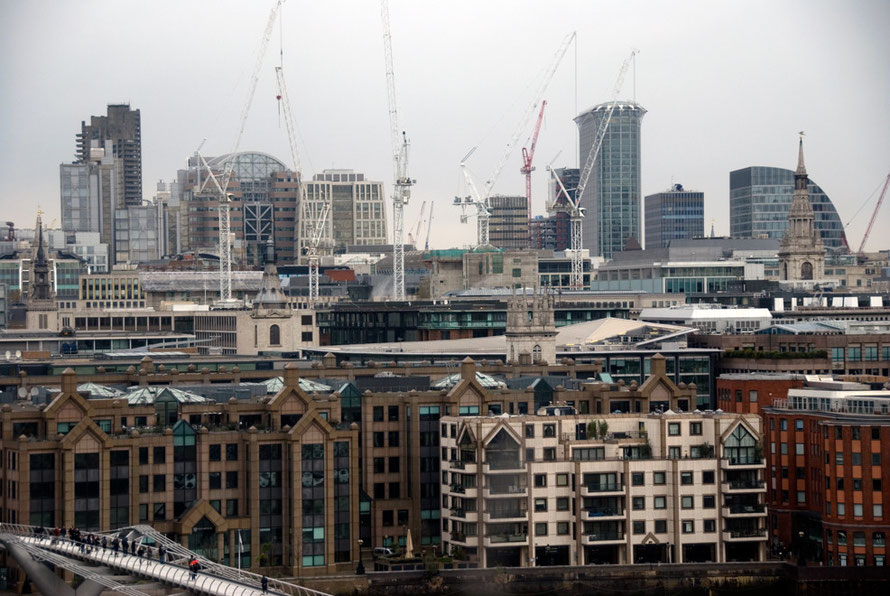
(675, 214)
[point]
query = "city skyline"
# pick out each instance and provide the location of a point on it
(716, 102)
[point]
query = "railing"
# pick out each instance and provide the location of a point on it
(506, 513)
(506, 490)
(755, 508)
(501, 465)
(458, 513)
(458, 488)
(214, 578)
(604, 512)
(747, 533)
(501, 538)
(743, 484)
(458, 465)
(602, 488)
(744, 461)
(605, 536)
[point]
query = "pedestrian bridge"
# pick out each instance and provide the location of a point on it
(37, 551)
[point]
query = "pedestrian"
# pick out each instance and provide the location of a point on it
(133, 547)
(265, 583)
(161, 553)
(104, 542)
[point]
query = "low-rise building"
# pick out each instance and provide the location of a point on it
(710, 318)
(828, 445)
(557, 488)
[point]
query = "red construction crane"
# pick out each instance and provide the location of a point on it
(874, 215)
(527, 156)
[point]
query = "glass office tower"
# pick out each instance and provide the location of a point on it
(612, 195)
(674, 214)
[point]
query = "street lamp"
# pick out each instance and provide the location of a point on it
(360, 568)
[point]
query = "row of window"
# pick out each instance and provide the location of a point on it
(877, 510)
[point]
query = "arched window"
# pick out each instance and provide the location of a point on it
(740, 447)
(806, 270)
(536, 353)
(274, 335)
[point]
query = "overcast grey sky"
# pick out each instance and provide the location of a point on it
(726, 84)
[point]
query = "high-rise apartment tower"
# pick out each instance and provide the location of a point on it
(123, 127)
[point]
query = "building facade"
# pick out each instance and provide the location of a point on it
(556, 488)
(759, 203)
(123, 127)
(828, 444)
(675, 214)
(613, 192)
(508, 223)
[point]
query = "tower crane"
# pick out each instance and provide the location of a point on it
(527, 156)
(402, 182)
(576, 212)
(225, 246)
(288, 121)
(413, 236)
(874, 215)
(314, 242)
(429, 226)
(480, 200)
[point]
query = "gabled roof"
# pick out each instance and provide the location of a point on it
(148, 395)
(450, 381)
(276, 384)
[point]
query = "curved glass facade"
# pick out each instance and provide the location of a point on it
(253, 172)
(759, 200)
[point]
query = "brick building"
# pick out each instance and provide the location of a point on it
(828, 444)
(750, 393)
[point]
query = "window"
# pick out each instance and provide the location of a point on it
(379, 465)
(710, 525)
(708, 501)
(562, 480)
(637, 479)
(541, 529)
(143, 484)
(562, 503)
(695, 428)
(562, 528)
(839, 458)
(377, 413)
(549, 430)
(783, 448)
(842, 538)
(660, 502)
(798, 424)
(658, 478)
(530, 431)
(159, 483)
(387, 517)
(393, 438)
(857, 509)
(858, 538)
(379, 439)
(231, 479)
(752, 397)
(673, 429)
(540, 480)
(877, 539)
(856, 458)
(661, 526)
(231, 451)
(215, 480)
(232, 508)
(707, 477)
(783, 424)
(160, 511)
(685, 477)
(541, 504)
(549, 454)
(841, 509)
(877, 510)
(379, 490)
(876, 459)
(274, 335)
(799, 449)
(394, 465)
(215, 452)
(639, 527)
(393, 413)
(143, 456)
(801, 496)
(686, 502)
(639, 503)
(688, 526)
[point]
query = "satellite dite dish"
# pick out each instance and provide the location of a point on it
(18, 353)
(23, 393)
(8, 355)
(34, 391)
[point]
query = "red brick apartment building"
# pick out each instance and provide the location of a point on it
(749, 393)
(827, 448)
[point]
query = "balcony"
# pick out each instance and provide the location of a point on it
(458, 488)
(608, 487)
(502, 466)
(506, 540)
(753, 510)
(745, 535)
(458, 537)
(468, 466)
(603, 514)
(505, 491)
(506, 515)
(744, 486)
(604, 537)
(461, 513)
(742, 462)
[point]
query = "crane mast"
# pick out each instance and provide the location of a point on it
(527, 156)
(480, 200)
(874, 215)
(576, 212)
(429, 226)
(401, 181)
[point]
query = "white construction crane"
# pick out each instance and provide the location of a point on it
(225, 239)
(429, 227)
(313, 256)
(402, 182)
(288, 121)
(576, 212)
(413, 236)
(480, 200)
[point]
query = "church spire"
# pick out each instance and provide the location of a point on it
(800, 175)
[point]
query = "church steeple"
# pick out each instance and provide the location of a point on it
(801, 256)
(41, 289)
(800, 174)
